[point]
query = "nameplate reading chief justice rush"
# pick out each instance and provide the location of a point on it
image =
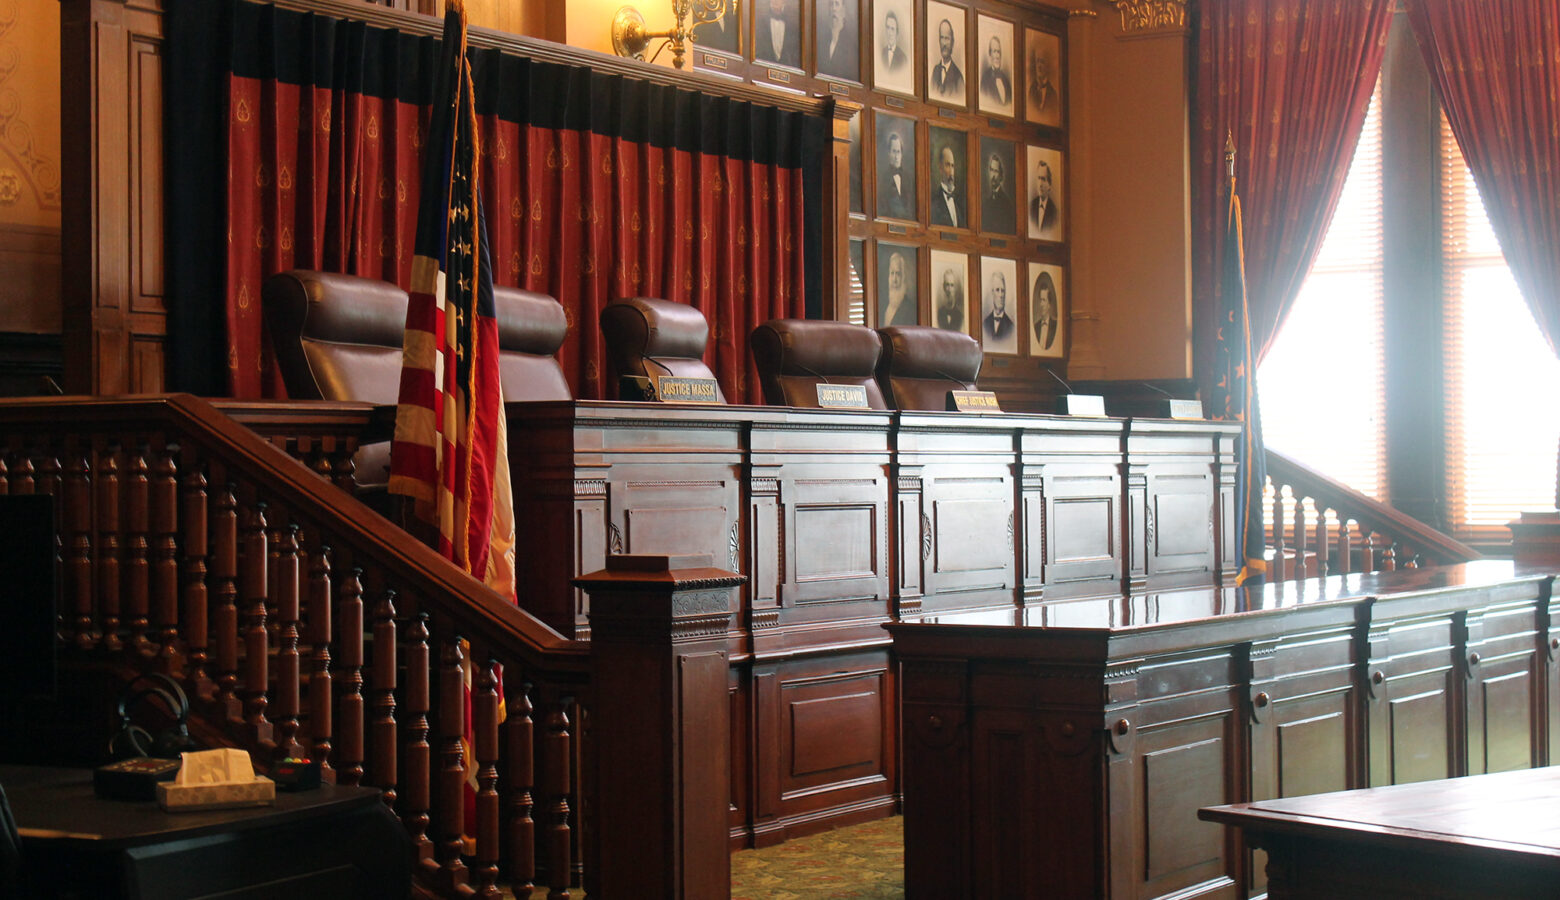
(973, 401)
(842, 396)
(677, 389)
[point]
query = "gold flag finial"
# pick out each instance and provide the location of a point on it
(1229, 154)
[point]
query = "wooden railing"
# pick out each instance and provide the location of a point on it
(303, 623)
(1318, 526)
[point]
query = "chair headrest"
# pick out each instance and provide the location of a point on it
(644, 326)
(529, 322)
(920, 351)
(815, 347)
(327, 306)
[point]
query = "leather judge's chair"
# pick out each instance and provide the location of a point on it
(338, 337)
(648, 338)
(794, 356)
(920, 365)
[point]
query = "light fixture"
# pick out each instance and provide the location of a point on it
(629, 37)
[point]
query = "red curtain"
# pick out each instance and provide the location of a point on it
(595, 187)
(1290, 81)
(1496, 66)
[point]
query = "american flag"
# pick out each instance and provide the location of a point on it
(451, 453)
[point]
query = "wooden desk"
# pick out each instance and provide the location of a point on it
(329, 842)
(1476, 837)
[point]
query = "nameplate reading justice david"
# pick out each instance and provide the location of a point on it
(842, 396)
(675, 389)
(973, 402)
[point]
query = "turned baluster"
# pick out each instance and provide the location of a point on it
(288, 670)
(416, 796)
(256, 646)
(108, 545)
(5, 476)
(1278, 572)
(22, 481)
(1389, 557)
(78, 523)
(1368, 551)
(342, 467)
(1345, 545)
(321, 710)
(349, 766)
(556, 784)
(382, 695)
(165, 558)
(193, 525)
(51, 483)
(224, 573)
(137, 569)
(484, 723)
(1323, 542)
(1300, 539)
(519, 778)
(449, 819)
(50, 471)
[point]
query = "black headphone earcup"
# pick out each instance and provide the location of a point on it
(130, 742)
(174, 741)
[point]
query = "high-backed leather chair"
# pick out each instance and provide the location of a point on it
(648, 338)
(338, 337)
(794, 356)
(920, 365)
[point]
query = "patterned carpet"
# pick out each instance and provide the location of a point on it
(862, 862)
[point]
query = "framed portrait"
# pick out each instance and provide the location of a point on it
(999, 305)
(895, 139)
(1047, 333)
(837, 37)
(998, 186)
(950, 275)
(1047, 206)
(1043, 78)
(777, 32)
(994, 48)
(854, 164)
(947, 55)
(723, 34)
(947, 152)
(898, 267)
(893, 46)
(856, 290)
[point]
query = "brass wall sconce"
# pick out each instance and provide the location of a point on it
(629, 37)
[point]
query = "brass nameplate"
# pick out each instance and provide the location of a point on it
(898, 229)
(841, 89)
(973, 402)
(947, 235)
(714, 62)
(1080, 405)
(947, 114)
(998, 242)
(1183, 409)
(777, 75)
(996, 123)
(842, 396)
(670, 389)
(895, 102)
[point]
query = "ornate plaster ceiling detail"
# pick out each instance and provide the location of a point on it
(1151, 16)
(40, 172)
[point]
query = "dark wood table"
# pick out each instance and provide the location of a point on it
(328, 842)
(1476, 837)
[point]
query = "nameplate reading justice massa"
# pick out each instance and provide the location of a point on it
(676, 389)
(842, 396)
(973, 401)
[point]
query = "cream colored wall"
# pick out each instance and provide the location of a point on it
(30, 113)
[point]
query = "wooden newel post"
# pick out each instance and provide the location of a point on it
(661, 725)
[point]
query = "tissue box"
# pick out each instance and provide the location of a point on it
(231, 795)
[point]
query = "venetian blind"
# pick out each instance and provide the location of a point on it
(1322, 385)
(1502, 421)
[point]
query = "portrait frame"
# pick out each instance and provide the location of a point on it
(956, 143)
(1050, 224)
(894, 73)
(994, 81)
(999, 272)
(722, 36)
(908, 311)
(936, 91)
(889, 202)
(1047, 343)
(790, 55)
(1044, 77)
(943, 262)
(999, 210)
(844, 62)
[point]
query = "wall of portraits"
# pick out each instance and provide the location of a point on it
(957, 164)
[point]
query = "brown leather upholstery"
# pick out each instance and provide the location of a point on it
(794, 356)
(531, 328)
(650, 338)
(920, 365)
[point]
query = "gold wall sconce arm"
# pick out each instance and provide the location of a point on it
(630, 38)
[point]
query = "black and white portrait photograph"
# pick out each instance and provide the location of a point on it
(895, 166)
(946, 54)
(950, 192)
(1043, 81)
(998, 190)
(777, 32)
(998, 305)
(723, 34)
(898, 265)
(950, 271)
(893, 46)
(855, 165)
(839, 38)
(994, 44)
(1045, 306)
(1047, 207)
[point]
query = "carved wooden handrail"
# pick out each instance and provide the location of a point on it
(1371, 536)
(302, 622)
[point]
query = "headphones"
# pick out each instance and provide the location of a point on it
(132, 740)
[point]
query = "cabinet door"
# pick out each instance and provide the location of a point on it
(1505, 674)
(1413, 697)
